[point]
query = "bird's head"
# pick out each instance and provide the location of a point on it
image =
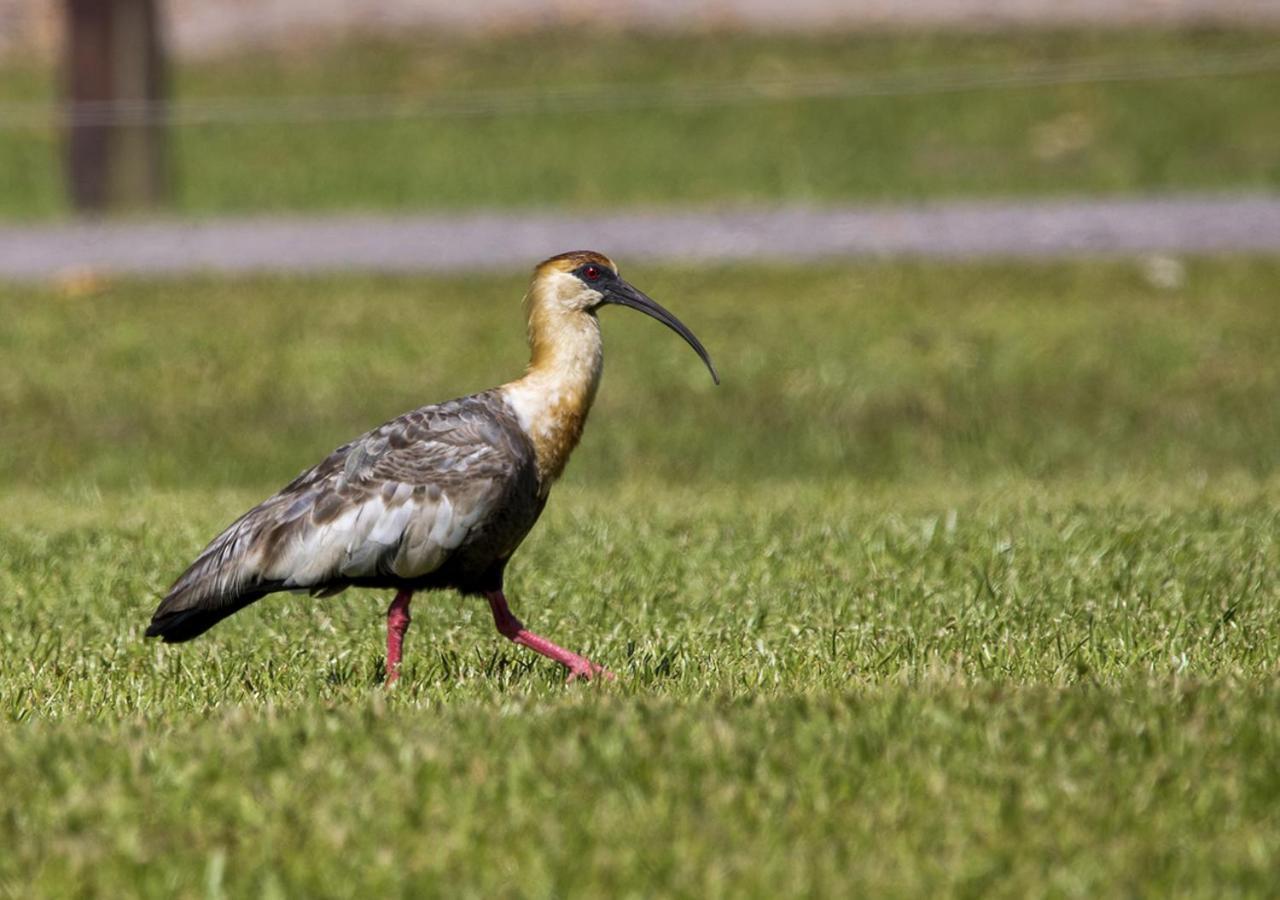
(576, 284)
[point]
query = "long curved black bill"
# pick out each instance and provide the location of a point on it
(623, 294)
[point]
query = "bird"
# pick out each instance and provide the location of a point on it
(438, 498)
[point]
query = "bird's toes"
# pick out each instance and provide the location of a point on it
(588, 670)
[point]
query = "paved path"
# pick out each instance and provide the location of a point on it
(440, 243)
(198, 27)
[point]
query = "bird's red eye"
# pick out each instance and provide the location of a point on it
(591, 273)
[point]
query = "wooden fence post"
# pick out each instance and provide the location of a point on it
(115, 89)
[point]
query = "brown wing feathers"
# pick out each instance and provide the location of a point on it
(352, 516)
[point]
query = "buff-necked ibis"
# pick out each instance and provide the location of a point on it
(437, 498)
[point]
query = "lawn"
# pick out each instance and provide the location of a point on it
(485, 128)
(964, 581)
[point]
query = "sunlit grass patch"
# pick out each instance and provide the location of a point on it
(963, 582)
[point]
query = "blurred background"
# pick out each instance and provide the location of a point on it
(237, 107)
(946, 239)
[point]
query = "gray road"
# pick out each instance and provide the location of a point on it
(198, 27)
(441, 243)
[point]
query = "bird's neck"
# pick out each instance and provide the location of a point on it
(553, 398)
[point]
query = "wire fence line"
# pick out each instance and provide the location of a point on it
(688, 96)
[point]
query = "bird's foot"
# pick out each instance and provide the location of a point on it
(581, 667)
(578, 666)
(511, 628)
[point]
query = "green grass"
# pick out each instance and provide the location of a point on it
(1189, 133)
(873, 373)
(964, 582)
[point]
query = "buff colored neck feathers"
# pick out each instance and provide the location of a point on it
(554, 396)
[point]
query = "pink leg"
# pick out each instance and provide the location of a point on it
(397, 624)
(510, 627)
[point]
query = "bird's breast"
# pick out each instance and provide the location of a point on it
(552, 417)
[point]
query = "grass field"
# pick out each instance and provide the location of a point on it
(964, 581)
(1185, 133)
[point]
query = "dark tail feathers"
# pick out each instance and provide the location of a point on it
(173, 624)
